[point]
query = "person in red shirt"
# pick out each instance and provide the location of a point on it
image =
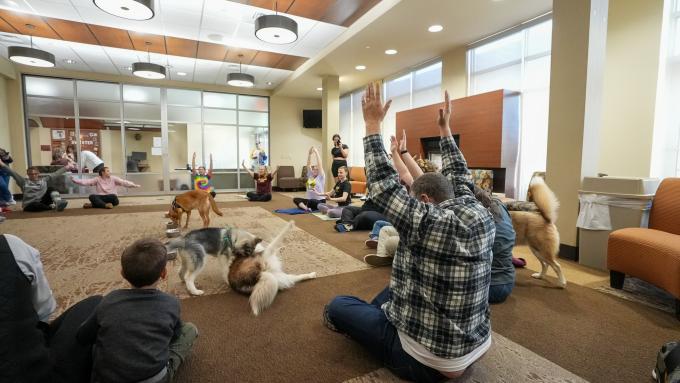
(263, 184)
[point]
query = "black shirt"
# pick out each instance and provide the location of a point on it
(340, 188)
(336, 152)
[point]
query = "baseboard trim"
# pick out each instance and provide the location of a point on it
(568, 252)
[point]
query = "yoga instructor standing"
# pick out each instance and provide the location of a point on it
(339, 153)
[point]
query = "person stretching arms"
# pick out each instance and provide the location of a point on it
(106, 196)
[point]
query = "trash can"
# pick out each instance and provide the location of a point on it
(608, 204)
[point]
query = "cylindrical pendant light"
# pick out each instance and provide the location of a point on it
(31, 56)
(276, 29)
(127, 9)
(148, 70)
(241, 80)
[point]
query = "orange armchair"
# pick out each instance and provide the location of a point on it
(651, 254)
(357, 178)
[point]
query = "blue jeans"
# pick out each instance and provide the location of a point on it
(367, 324)
(376, 228)
(5, 195)
(498, 293)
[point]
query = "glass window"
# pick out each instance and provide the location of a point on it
(93, 90)
(253, 147)
(134, 93)
(260, 104)
(184, 114)
(99, 109)
(184, 97)
(427, 85)
(143, 112)
(50, 106)
(219, 100)
(498, 52)
(49, 87)
(219, 116)
(253, 118)
(220, 140)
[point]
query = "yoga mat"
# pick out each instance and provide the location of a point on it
(292, 211)
(324, 217)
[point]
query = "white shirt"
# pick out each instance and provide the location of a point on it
(90, 160)
(424, 356)
(30, 264)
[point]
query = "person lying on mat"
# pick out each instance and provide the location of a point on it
(263, 184)
(37, 195)
(316, 178)
(433, 320)
(137, 332)
(341, 194)
(32, 349)
(202, 179)
(106, 196)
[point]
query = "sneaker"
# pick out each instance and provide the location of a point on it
(87, 205)
(108, 206)
(12, 202)
(340, 228)
(327, 321)
(371, 243)
(376, 260)
(61, 205)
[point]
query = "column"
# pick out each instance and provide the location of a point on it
(330, 110)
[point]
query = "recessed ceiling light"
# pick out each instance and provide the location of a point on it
(269, 82)
(391, 52)
(435, 28)
(69, 61)
(127, 68)
(360, 67)
(367, 47)
(215, 37)
(181, 73)
(319, 89)
(127, 9)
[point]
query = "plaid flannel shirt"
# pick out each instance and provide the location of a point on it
(442, 267)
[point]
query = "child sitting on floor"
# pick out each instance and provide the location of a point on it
(263, 184)
(137, 332)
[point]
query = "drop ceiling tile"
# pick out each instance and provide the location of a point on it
(60, 10)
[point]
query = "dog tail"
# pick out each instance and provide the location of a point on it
(175, 244)
(264, 292)
(545, 199)
(213, 205)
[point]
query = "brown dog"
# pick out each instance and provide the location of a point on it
(537, 228)
(194, 199)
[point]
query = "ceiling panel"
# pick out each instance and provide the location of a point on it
(147, 42)
(5, 27)
(210, 51)
(236, 55)
(181, 47)
(61, 10)
(22, 22)
(311, 9)
(111, 37)
(266, 59)
(206, 71)
(72, 31)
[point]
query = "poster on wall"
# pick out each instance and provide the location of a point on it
(89, 140)
(58, 134)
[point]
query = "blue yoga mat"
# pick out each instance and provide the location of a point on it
(292, 211)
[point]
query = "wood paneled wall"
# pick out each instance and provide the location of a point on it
(488, 125)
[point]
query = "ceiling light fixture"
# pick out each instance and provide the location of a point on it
(435, 28)
(69, 61)
(31, 56)
(240, 79)
(269, 82)
(391, 52)
(319, 89)
(360, 67)
(181, 73)
(148, 69)
(276, 29)
(127, 9)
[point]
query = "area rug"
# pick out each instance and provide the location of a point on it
(77, 203)
(81, 255)
(636, 290)
(505, 362)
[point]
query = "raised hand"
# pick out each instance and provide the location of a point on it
(445, 114)
(373, 108)
(402, 142)
(393, 144)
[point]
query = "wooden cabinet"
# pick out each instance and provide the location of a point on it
(487, 126)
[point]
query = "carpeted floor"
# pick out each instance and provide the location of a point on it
(578, 330)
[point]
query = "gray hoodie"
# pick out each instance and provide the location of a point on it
(33, 190)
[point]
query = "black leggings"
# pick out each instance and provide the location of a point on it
(43, 204)
(336, 165)
(360, 219)
(100, 200)
(252, 196)
(310, 203)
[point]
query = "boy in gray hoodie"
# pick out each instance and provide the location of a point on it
(37, 195)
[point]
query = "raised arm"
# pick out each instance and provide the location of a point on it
(454, 166)
(56, 174)
(318, 162)
(84, 181)
(19, 179)
(273, 174)
(404, 174)
(411, 163)
(243, 164)
(193, 164)
(125, 183)
(210, 169)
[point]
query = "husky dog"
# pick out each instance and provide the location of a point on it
(535, 226)
(248, 265)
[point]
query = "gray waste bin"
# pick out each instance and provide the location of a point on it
(608, 204)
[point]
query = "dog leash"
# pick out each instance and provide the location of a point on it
(226, 240)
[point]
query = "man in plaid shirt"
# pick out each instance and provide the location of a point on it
(432, 322)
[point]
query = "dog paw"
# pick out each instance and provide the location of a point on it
(562, 284)
(312, 275)
(537, 276)
(197, 292)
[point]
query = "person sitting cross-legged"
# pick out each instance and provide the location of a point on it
(107, 189)
(263, 184)
(433, 321)
(341, 194)
(38, 196)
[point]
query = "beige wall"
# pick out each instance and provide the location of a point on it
(454, 72)
(4, 121)
(289, 141)
(631, 72)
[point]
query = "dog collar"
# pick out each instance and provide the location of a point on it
(226, 240)
(175, 205)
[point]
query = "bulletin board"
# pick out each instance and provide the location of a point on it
(89, 139)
